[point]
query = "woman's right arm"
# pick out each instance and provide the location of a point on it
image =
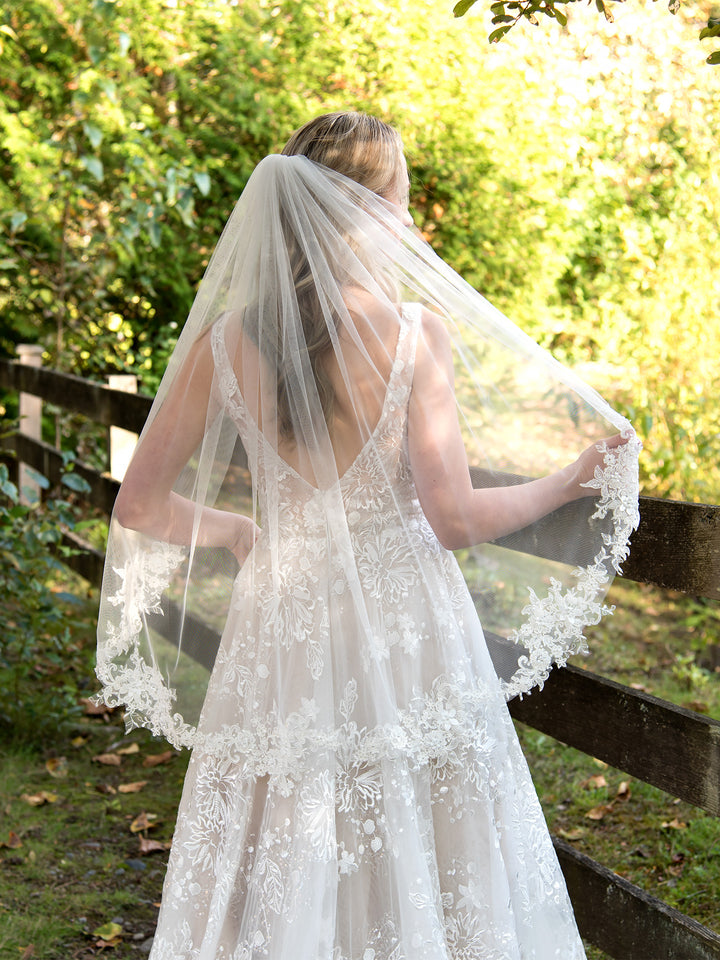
(146, 500)
(460, 515)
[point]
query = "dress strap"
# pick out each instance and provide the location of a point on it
(406, 348)
(228, 390)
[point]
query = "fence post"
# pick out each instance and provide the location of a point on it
(30, 421)
(122, 442)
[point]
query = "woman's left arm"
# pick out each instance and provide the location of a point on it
(460, 515)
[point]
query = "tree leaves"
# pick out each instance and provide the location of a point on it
(610, 198)
(94, 166)
(202, 182)
(530, 9)
(462, 7)
(76, 483)
(712, 30)
(17, 220)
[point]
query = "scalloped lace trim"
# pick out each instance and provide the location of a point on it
(553, 629)
(134, 683)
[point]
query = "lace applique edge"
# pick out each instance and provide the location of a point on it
(553, 629)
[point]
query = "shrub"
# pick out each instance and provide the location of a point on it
(45, 653)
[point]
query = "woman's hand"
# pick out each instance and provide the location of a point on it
(243, 534)
(582, 471)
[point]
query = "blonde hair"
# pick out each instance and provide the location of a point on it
(358, 146)
(370, 152)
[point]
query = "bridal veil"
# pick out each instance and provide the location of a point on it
(273, 406)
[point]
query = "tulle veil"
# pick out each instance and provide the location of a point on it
(247, 422)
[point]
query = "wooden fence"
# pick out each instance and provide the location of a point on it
(677, 546)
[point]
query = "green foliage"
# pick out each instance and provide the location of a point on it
(640, 288)
(712, 30)
(506, 13)
(567, 175)
(44, 649)
(71, 864)
(97, 178)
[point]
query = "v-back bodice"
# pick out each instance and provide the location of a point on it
(376, 475)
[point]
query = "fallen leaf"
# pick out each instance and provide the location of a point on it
(57, 767)
(600, 763)
(135, 787)
(28, 952)
(674, 824)
(143, 821)
(38, 799)
(13, 841)
(151, 846)
(131, 748)
(108, 931)
(597, 813)
(594, 783)
(576, 834)
(106, 788)
(623, 791)
(79, 741)
(109, 759)
(155, 759)
(639, 686)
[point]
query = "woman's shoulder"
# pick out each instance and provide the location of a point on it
(361, 302)
(434, 343)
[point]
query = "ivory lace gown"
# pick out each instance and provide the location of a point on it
(359, 792)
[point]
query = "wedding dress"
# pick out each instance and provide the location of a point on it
(356, 789)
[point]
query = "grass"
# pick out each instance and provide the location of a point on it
(656, 641)
(661, 642)
(71, 866)
(76, 864)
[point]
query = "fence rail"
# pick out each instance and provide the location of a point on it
(634, 724)
(677, 546)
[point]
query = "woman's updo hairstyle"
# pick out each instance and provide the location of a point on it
(362, 148)
(370, 152)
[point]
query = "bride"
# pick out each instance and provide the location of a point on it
(340, 413)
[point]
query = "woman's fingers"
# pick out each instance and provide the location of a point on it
(615, 441)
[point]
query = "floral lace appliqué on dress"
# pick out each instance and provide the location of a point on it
(357, 791)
